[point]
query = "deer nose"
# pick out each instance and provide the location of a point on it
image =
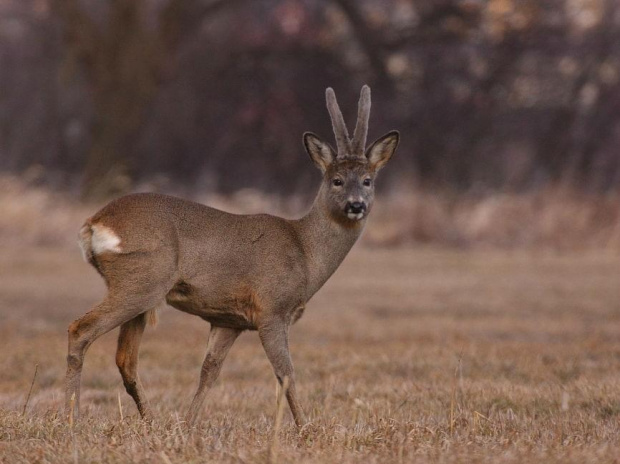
(356, 207)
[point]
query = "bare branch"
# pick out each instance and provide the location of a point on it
(181, 18)
(81, 32)
(366, 38)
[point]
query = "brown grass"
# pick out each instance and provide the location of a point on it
(553, 218)
(407, 355)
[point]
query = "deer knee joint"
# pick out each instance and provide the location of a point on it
(74, 361)
(131, 386)
(210, 364)
(281, 374)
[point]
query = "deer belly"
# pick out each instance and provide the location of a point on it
(236, 310)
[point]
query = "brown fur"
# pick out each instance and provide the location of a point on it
(248, 303)
(238, 272)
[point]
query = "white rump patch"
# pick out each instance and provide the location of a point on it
(84, 242)
(104, 239)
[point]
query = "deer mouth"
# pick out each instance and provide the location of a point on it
(355, 216)
(355, 210)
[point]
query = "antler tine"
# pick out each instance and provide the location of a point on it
(361, 127)
(343, 143)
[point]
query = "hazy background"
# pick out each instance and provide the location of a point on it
(479, 320)
(509, 110)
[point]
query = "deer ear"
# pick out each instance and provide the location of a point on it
(382, 149)
(321, 153)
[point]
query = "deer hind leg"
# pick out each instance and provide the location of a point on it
(127, 361)
(109, 314)
(274, 337)
(220, 341)
(127, 298)
(82, 333)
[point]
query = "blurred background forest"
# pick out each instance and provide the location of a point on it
(509, 110)
(479, 320)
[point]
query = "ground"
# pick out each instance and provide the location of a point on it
(407, 354)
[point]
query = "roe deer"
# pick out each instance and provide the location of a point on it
(238, 272)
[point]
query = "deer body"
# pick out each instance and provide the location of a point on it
(238, 272)
(231, 270)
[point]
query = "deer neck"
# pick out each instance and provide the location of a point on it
(325, 240)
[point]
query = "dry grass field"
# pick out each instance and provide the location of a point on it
(407, 355)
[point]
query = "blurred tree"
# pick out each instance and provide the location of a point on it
(124, 62)
(489, 94)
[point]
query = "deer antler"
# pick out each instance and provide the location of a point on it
(343, 143)
(358, 144)
(350, 147)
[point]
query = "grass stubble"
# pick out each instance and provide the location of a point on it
(423, 355)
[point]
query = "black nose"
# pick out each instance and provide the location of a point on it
(356, 207)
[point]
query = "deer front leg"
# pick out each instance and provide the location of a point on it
(220, 342)
(274, 337)
(127, 361)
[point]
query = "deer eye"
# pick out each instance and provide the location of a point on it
(367, 182)
(337, 182)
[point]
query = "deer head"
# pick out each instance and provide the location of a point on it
(349, 172)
